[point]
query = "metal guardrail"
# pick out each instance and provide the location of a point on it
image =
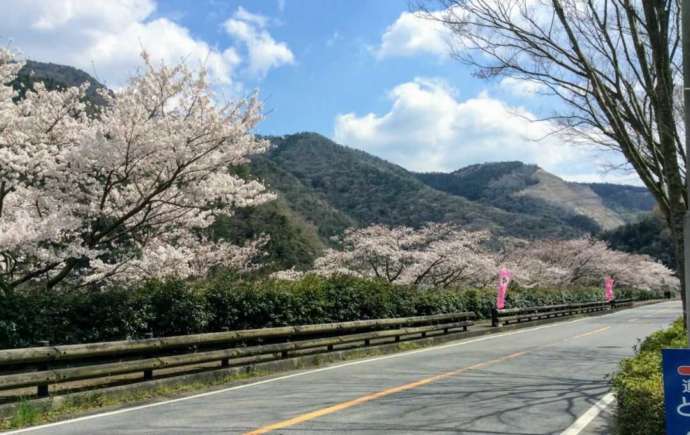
(519, 315)
(47, 365)
(621, 303)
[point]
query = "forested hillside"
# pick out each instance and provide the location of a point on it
(370, 190)
(55, 76)
(519, 187)
(627, 200)
(649, 236)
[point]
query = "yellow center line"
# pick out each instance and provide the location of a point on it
(596, 331)
(379, 394)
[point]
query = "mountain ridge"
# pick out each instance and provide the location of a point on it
(56, 76)
(491, 195)
(517, 186)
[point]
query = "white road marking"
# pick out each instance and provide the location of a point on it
(294, 375)
(592, 413)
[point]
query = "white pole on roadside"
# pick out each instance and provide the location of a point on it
(685, 29)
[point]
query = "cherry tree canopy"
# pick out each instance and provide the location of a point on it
(440, 255)
(437, 255)
(127, 193)
(584, 263)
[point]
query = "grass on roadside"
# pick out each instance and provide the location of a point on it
(30, 413)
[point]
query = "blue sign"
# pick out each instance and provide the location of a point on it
(677, 390)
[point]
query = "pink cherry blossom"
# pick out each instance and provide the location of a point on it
(442, 255)
(125, 192)
(437, 255)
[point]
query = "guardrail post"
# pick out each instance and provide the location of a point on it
(284, 354)
(494, 318)
(42, 390)
(225, 362)
(613, 304)
(148, 373)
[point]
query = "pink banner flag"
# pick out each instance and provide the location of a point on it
(504, 276)
(608, 288)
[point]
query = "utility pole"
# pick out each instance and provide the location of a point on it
(685, 34)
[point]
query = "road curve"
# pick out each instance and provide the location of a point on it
(530, 381)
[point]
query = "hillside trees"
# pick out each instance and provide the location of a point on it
(125, 194)
(649, 236)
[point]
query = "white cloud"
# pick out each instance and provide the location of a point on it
(244, 15)
(264, 52)
(335, 37)
(413, 34)
(428, 128)
(106, 37)
(521, 87)
(420, 32)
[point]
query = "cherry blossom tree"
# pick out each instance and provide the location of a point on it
(440, 255)
(527, 269)
(583, 262)
(436, 255)
(128, 192)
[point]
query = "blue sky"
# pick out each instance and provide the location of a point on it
(335, 68)
(367, 73)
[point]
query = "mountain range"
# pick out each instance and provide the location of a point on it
(324, 188)
(510, 198)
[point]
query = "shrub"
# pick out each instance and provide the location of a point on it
(639, 384)
(229, 301)
(170, 308)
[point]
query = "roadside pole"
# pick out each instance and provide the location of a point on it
(685, 29)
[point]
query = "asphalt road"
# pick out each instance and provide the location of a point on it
(529, 381)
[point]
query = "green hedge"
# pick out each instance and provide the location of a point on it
(639, 384)
(226, 301)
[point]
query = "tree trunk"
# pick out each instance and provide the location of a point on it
(676, 226)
